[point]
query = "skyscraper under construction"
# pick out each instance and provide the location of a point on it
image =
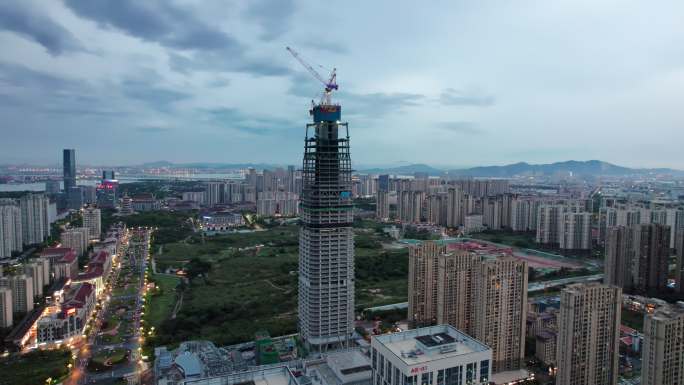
(326, 240)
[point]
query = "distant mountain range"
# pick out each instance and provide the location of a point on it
(570, 167)
(577, 168)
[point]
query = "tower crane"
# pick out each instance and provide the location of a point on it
(330, 84)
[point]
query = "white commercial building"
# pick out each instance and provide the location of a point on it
(430, 356)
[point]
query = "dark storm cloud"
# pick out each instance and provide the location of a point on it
(461, 127)
(29, 22)
(272, 16)
(13, 75)
(37, 92)
(454, 97)
(193, 45)
(156, 21)
(257, 125)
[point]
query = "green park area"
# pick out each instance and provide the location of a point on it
(107, 358)
(515, 239)
(161, 300)
(35, 367)
(244, 282)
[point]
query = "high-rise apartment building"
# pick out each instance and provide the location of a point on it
(574, 231)
(11, 233)
(637, 257)
(548, 219)
(35, 271)
(382, 207)
(500, 310)
(35, 221)
(652, 264)
(326, 238)
(588, 335)
(22, 291)
(76, 239)
(455, 289)
(6, 307)
(663, 347)
(485, 298)
(92, 221)
(69, 168)
(679, 269)
(423, 282)
(619, 253)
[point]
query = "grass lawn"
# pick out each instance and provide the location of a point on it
(115, 356)
(525, 240)
(112, 339)
(34, 368)
(159, 306)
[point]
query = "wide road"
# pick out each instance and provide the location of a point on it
(137, 252)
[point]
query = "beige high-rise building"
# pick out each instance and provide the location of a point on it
(500, 310)
(422, 285)
(455, 289)
(92, 221)
(35, 271)
(663, 348)
(485, 298)
(76, 239)
(588, 335)
(382, 210)
(22, 291)
(6, 308)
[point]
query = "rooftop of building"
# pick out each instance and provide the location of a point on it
(669, 312)
(430, 343)
(55, 251)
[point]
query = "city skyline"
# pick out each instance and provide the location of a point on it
(184, 82)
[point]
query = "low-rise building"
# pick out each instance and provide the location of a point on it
(66, 321)
(222, 221)
(96, 272)
(430, 356)
(145, 202)
(63, 262)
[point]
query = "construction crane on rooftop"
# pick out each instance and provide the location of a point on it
(330, 84)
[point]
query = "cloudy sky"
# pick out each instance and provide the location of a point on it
(452, 83)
